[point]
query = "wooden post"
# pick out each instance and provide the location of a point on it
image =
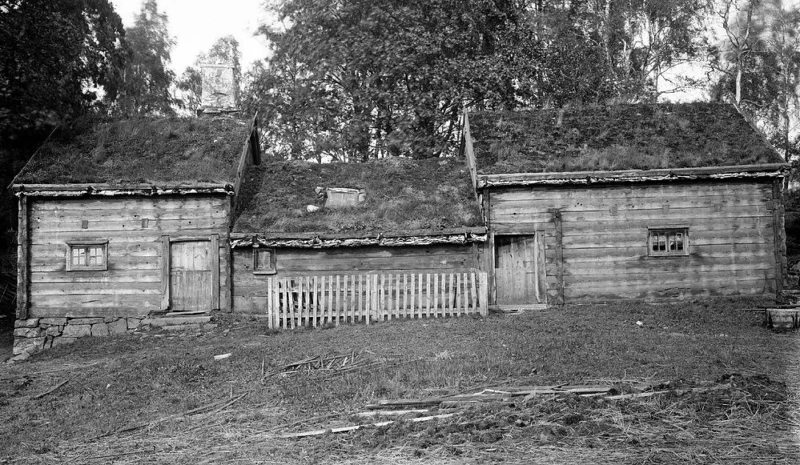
(268, 303)
(165, 272)
(559, 256)
(428, 296)
(276, 299)
(23, 257)
(458, 294)
(289, 301)
(337, 308)
(413, 309)
(472, 293)
(215, 271)
(483, 294)
(436, 295)
(375, 305)
(779, 228)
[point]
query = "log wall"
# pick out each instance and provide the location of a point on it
(249, 289)
(133, 227)
(596, 238)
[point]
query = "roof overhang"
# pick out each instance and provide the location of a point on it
(388, 239)
(111, 190)
(774, 170)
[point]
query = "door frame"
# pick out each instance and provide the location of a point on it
(165, 266)
(539, 236)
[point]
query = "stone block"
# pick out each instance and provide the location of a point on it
(53, 331)
(72, 330)
(134, 323)
(210, 326)
(63, 340)
(118, 327)
(29, 345)
(85, 321)
(99, 330)
(29, 332)
(27, 323)
(110, 319)
(53, 321)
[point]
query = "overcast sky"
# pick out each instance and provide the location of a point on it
(196, 24)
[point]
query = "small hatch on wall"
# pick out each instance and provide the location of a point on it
(338, 197)
(264, 260)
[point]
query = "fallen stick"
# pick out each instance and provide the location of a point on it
(39, 396)
(376, 413)
(634, 395)
(345, 429)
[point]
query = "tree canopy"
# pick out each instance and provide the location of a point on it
(362, 79)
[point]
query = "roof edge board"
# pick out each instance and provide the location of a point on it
(590, 177)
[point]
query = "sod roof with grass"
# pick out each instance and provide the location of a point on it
(618, 137)
(158, 151)
(402, 195)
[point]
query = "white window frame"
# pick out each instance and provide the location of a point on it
(86, 246)
(674, 240)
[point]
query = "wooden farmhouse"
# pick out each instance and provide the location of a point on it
(126, 221)
(159, 222)
(652, 202)
(388, 238)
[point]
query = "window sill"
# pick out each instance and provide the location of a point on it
(265, 272)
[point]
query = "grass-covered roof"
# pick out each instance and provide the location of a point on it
(401, 195)
(140, 150)
(618, 137)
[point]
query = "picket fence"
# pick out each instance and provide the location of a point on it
(365, 298)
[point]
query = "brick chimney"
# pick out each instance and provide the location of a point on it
(219, 89)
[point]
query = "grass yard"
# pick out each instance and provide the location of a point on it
(163, 398)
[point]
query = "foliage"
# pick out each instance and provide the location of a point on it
(144, 84)
(759, 62)
(366, 79)
(53, 58)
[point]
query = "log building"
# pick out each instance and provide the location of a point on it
(654, 202)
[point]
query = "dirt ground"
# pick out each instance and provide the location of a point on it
(729, 392)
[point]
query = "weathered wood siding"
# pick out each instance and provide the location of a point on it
(133, 227)
(250, 290)
(602, 232)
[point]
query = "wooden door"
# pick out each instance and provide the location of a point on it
(519, 272)
(190, 276)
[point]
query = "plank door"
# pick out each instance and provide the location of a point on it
(190, 277)
(520, 270)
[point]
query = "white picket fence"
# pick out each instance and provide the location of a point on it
(364, 298)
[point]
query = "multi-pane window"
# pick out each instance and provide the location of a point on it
(264, 261)
(87, 256)
(668, 242)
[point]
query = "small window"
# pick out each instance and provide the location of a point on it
(668, 242)
(87, 256)
(264, 261)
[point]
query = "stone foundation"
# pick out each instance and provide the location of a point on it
(36, 334)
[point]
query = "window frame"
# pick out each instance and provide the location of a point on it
(271, 269)
(667, 232)
(86, 245)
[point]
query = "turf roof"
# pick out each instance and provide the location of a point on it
(140, 150)
(618, 137)
(401, 195)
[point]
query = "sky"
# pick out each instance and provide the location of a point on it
(197, 24)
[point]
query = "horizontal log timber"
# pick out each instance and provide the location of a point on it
(72, 312)
(554, 195)
(640, 240)
(635, 176)
(121, 276)
(741, 252)
(748, 287)
(622, 279)
(621, 268)
(97, 301)
(633, 203)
